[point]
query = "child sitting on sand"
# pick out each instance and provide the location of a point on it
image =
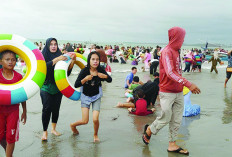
(133, 85)
(150, 89)
(9, 114)
(141, 105)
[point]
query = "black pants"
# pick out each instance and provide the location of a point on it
(187, 67)
(153, 67)
(51, 105)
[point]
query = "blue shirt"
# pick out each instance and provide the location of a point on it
(229, 61)
(129, 77)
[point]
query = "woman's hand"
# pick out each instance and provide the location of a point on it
(101, 75)
(61, 58)
(73, 56)
(88, 77)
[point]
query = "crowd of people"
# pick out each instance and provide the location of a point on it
(141, 97)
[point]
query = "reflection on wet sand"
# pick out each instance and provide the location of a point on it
(146, 151)
(227, 113)
(90, 148)
(49, 149)
(183, 131)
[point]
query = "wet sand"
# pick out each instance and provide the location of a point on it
(208, 134)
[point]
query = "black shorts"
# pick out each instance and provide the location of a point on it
(228, 75)
(194, 67)
(199, 66)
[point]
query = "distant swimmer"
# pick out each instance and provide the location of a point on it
(214, 61)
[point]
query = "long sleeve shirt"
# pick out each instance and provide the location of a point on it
(91, 88)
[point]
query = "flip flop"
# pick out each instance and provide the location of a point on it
(178, 151)
(145, 135)
(44, 140)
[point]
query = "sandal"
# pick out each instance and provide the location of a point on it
(179, 151)
(145, 136)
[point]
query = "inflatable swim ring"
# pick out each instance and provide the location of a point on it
(189, 109)
(61, 79)
(131, 57)
(81, 50)
(128, 95)
(36, 70)
(24, 70)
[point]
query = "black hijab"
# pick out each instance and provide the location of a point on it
(48, 56)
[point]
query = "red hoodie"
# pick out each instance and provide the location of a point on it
(171, 80)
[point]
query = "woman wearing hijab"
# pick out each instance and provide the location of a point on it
(50, 94)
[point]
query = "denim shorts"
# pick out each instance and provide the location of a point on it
(95, 105)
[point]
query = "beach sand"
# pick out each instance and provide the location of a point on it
(208, 134)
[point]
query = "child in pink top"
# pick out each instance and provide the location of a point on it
(147, 58)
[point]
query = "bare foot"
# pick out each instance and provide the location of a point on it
(44, 136)
(119, 104)
(153, 109)
(54, 132)
(95, 138)
(130, 109)
(74, 130)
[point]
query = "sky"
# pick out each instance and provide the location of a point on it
(141, 21)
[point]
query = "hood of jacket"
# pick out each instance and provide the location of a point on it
(176, 37)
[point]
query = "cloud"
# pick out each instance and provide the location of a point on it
(117, 20)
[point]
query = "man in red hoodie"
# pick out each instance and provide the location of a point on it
(171, 87)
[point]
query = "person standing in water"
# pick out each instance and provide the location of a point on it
(171, 87)
(229, 68)
(103, 61)
(50, 94)
(188, 61)
(198, 60)
(89, 80)
(147, 58)
(214, 60)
